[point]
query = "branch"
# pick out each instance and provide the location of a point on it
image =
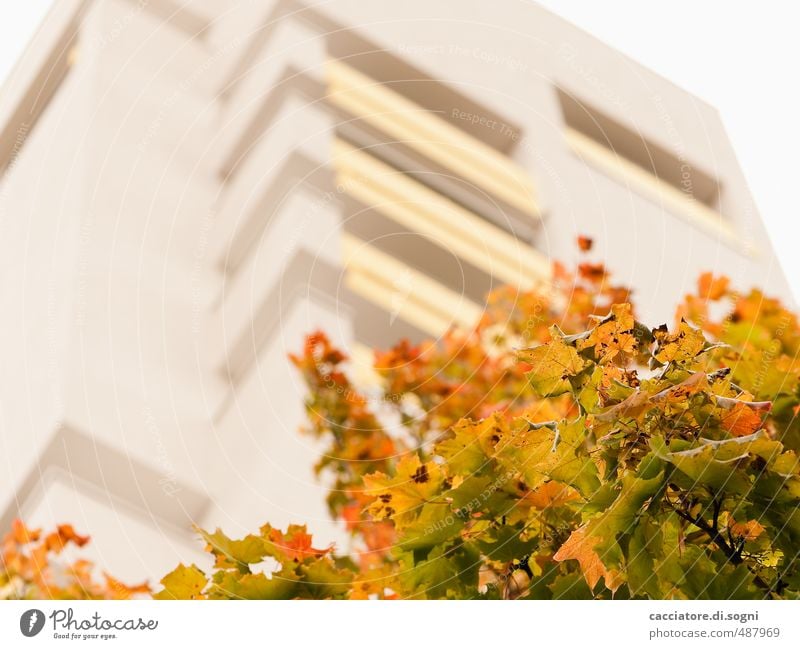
(734, 554)
(717, 507)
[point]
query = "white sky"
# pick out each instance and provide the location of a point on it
(18, 22)
(742, 57)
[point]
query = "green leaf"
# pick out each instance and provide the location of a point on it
(322, 580)
(620, 519)
(643, 544)
(702, 468)
(231, 553)
(436, 523)
(448, 572)
(542, 453)
(706, 579)
(571, 586)
(505, 543)
(232, 585)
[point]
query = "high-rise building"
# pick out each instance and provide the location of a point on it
(188, 187)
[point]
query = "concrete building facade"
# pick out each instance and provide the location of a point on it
(187, 188)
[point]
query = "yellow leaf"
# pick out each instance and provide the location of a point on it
(399, 497)
(551, 367)
(185, 582)
(680, 346)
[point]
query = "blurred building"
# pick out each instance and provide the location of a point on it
(188, 187)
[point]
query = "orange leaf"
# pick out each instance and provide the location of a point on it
(712, 288)
(552, 494)
(592, 272)
(21, 534)
(64, 534)
(119, 590)
(741, 420)
(613, 335)
(749, 531)
(296, 543)
(580, 546)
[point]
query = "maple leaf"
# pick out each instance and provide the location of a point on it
(552, 494)
(294, 545)
(22, 534)
(708, 464)
(322, 580)
(581, 546)
(614, 334)
(552, 366)
(741, 419)
(748, 531)
(231, 553)
(542, 452)
(471, 444)
(185, 582)
(231, 585)
(765, 375)
(684, 345)
(584, 243)
(711, 287)
(442, 573)
(64, 534)
(399, 497)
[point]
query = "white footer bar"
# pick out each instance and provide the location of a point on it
(401, 625)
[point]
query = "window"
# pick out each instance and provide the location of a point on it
(423, 210)
(407, 163)
(403, 291)
(430, 136)
(646, 167)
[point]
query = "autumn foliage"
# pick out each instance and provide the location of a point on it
(561, 449)
(33, 566)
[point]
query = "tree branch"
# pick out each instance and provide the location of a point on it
(734, 554)
(717, 507)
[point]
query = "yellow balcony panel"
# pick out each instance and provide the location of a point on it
(404, 292)
(650, 186)
(418, 208)
(432, 137)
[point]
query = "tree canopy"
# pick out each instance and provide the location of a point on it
(560, 449)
